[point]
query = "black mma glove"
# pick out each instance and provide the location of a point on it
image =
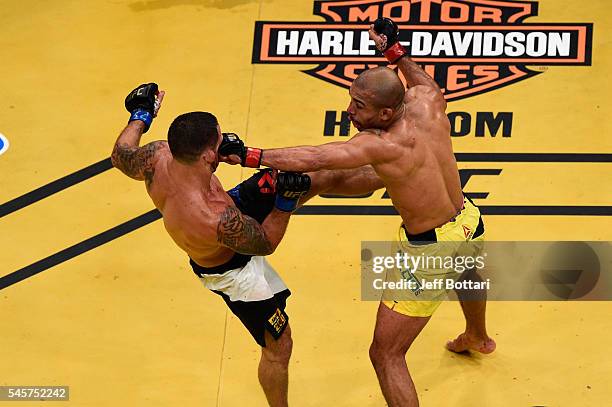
(290, 187)
(390, 46)
(231, 144)
(142, 104)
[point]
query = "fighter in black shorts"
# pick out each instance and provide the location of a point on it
(226, 234)
(248, 284)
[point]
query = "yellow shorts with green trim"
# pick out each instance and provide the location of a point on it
(461, 237)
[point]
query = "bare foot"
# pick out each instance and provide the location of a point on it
(464, 343)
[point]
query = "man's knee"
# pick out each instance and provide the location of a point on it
(386, 347)
(381, 353)
(376, 354)
(279, 350)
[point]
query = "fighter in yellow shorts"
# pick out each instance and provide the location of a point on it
(460, 238)
(405, 135)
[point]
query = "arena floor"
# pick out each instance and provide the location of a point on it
(119, 316)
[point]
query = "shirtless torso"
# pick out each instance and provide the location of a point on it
(191, 207)
(417, 165)
(198, 214)
(411, 151)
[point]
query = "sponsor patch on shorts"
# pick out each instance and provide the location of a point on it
(467, 231)
(277, 323)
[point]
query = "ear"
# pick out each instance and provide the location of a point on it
(209, 156)
(385, 113)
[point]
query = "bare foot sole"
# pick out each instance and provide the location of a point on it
(463, 344)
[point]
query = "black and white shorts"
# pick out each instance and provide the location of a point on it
(255, 293)
(250, 287)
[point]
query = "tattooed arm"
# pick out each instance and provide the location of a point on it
(135, 162)
(243, 234)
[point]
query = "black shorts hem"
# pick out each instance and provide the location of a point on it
(260, 316)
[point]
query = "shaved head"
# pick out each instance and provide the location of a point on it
(382, 85)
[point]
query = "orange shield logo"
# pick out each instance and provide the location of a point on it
(469, 47)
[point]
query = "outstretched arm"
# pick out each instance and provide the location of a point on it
(365, 148)
(314, 158)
